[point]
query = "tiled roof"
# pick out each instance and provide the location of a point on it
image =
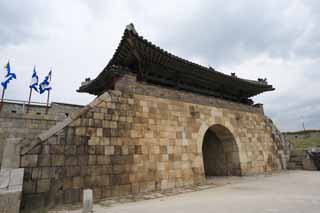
(155, 65)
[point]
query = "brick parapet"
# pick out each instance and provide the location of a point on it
(128, 83)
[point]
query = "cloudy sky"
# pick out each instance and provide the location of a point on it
(276, 39)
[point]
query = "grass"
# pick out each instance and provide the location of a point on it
(305, 143)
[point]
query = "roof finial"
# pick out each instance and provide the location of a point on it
(263, 80)
(211, 68)
(131, 28)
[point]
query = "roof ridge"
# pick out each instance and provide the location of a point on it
(132, 45)
(187, 61)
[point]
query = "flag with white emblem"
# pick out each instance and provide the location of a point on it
(34, 80)
(45, 84)
(8, 77)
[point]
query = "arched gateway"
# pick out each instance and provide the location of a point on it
(220, 152)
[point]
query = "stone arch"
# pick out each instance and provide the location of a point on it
(220, 151)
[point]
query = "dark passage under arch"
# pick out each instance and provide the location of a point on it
(220, 152)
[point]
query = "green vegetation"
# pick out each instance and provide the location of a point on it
(305, 143)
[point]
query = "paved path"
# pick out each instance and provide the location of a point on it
(288, 192)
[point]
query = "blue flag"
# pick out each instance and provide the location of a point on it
(8, 77)
(34, 80)
(45, 84)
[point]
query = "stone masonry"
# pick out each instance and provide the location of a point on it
(15, 123)
(141, 138)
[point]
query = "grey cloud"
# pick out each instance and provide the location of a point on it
(17, 21)
(226, 32)
(291, 117)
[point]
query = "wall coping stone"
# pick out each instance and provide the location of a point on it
(11, 157)
(11, 181)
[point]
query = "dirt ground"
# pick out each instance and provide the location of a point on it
(286, 192)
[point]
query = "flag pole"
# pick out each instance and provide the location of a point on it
(2, 97)
(29, 100)
(48, 97)
(47, 107)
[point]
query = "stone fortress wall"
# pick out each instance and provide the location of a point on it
(15, 123)
(140, 138)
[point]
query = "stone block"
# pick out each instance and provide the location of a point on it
(95, 170)
(308, 164)
(57, 160)
(57, 149)
(10, 153)
(92, 160)
(10, 189)
(120, 169)
(91, 150)
(77, 182)
(71, 160)
(29, 186)
(147, 186)
(99, 150)
(97, 123)
(44, 160)
(97, 193)
(45, 149)
(67, 182)
(106, 169)
(57, 172)
(84, 170)
(138, 149)
(99, 132)
(94, 141)
(104, 180)
(106, 192)
(43, 185)
(27, 173)
(117, 150)
(82, 149)
(36, 150)
(103, 159)
(36, 173)
(29, 160)
(106, 132)
(72, 171)
(120, 179)
(105, 141)
(70, 149)
(80, 131)
(109, 150)
(46, 172)
(121, 159)
(33, 202)
(121, 190)
(98, 115)
(291, 165)
(71, 196)
(91, 131)
(87, 201)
